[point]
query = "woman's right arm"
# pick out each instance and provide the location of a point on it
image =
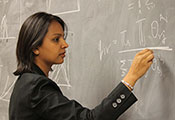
(139, 67)
(48, 101)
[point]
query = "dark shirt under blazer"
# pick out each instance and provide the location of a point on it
(36, 97)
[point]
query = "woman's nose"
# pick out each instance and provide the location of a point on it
(65, 45)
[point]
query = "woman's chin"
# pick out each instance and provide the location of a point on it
(60, 61)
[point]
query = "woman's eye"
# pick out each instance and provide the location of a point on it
(56, 39)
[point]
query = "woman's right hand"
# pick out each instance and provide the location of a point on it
(142, 61)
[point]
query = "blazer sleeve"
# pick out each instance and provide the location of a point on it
(48, 102)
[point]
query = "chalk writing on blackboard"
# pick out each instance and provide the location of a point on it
(71, 11)
(126, 63)
(139, 4)
(6, 89)
(58, 72)
(4, 37)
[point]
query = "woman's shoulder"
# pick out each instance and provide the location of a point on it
(32, 76)
(31, 81)
(36, 80)
(32, 88)
(36, 83)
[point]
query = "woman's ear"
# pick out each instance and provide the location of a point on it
(36, 51)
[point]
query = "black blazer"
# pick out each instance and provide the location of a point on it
(36, 97)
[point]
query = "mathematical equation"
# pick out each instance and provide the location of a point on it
(157, 34)
(139, 4)
(157, 62)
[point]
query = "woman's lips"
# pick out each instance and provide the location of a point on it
(63, 54)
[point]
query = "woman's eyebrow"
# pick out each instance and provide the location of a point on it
(58, 34)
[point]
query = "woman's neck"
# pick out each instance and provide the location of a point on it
(44, 67)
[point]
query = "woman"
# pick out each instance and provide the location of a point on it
(41, 44)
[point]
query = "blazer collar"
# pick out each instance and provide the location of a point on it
(37, 70)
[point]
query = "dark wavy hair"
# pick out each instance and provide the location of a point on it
(31, 36)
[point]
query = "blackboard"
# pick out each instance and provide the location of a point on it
(104, 36)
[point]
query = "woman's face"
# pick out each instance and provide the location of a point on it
(52, 51)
